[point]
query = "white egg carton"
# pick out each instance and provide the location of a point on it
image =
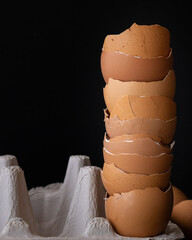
(72, 210)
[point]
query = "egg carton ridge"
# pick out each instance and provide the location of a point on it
(71, 210)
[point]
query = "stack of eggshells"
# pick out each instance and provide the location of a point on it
(140, 122)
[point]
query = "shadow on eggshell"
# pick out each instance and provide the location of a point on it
(155, 127)
(140, 213)
(136, 163)
(116, 180)
(143, 144)
(116, 89)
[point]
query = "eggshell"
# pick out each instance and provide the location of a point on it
(182, 216)
(116, 89)
(136, 163)
(140, 40)
(142, 144)
(151, 107)
(140, 213)
(178, 196)
(116, 180)
(155, 127)
(126, 67)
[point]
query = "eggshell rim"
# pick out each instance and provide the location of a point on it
(147, 175)
(143, 82)
(145, 85)
(135, 56)
(107, 138)
(138, 69)
(165, 129)
(125, 193)
(171, 145)
(107, 116)
(142, 97)
(135, 154)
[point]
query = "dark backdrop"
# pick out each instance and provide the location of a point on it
(51, 99)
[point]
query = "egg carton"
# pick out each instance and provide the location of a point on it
(72, 210)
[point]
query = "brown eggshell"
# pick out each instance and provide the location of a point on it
(139, 213)
(150, 107)
(134, 136)
(143, 145)
(140, 40)
(155, 127)
(116, 89)
(116, 180)
(182, 216)
(124, 67)
(135, 163)
(178, 196)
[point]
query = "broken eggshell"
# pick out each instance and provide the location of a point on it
(150, 107)
(142, 144)
(126, 67)
(140, 213)
(140, 40)
(115, 180)
(136, 163)
(155, 127)
(116, 89)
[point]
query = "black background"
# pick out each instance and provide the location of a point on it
(51, 87)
